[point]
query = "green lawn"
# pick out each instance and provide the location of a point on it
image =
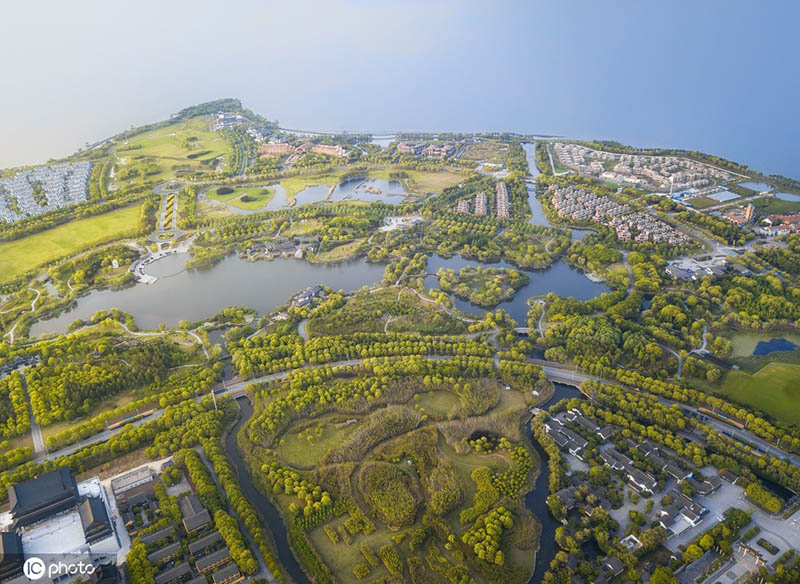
(302, 228)
(437, 403)
(340, 252)
(702, 202)
(773, 389)
(767, 205)
(423, 181)
(305, 453)
(744, 343)
(256, 197)
(19, 256)
(489, 151)
(173, 145)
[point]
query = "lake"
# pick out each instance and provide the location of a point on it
(560, 278)
(198, 294)
(773, 346)
(390, 192)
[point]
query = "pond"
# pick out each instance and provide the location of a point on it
(773, 346)
(788, 197)
(198, 294)
(759, 187)
(560, 278)
(357, 189)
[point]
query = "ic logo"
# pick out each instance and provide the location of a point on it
(34, 568)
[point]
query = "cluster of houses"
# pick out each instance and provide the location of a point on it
(574, 203)
(228, 120)
(657, 172)
(185, 553)
(306, 296)
(648, 228)
(284, 247)
(687, 272)
(742, 215)
(577, 204)
(44, 188)
(481, 201)
(19, 362)
(776, 224)
(678, 512)
(273, 149)
(426, 150)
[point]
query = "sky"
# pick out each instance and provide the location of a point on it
(717, 76)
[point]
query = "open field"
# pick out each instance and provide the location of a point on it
(206, 209)
(302, 228)
(702, 202)
(340, 252)
(189, 144)
(304, 444)
(490, 151)
(19, 256)
(774, 205)
(744, 343)
(773, 389)
(254, 197)
(423, 181)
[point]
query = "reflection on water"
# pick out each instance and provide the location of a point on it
(559, 278)
(198, 294)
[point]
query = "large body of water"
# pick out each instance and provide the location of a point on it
(198, 294)
(560, 278)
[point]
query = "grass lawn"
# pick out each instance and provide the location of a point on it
(773, 389)
(19, 256)
(437, 403)
(702, 202)
(341, 557)
(206, 209)
(302, 228)
(341, 252)
(490, 151)
(256, 197)
(174, 144)
(423, 181)
(304, 453)
(767, 205)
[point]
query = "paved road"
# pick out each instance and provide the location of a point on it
(556, 372)
(36, 429)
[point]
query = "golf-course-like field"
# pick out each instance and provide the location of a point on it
(19, 256)
(773, 389)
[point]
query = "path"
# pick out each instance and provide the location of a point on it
(540, 324)
(676, 355)
(199, 340)
(302, 329)
(36, 430)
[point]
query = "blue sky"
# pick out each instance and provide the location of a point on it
(711, 75)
